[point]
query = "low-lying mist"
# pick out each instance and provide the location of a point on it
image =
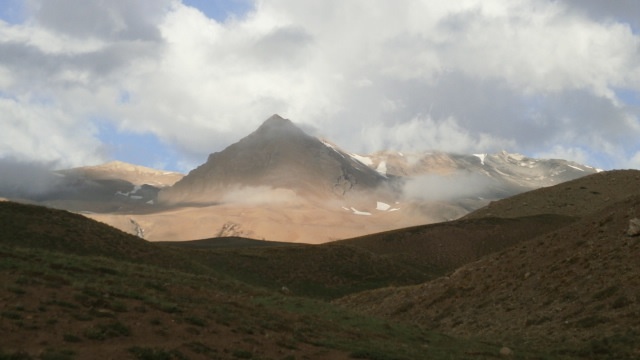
(455, 186)
(27, 179)
(260, 195)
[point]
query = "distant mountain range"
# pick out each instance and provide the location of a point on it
(280, 183)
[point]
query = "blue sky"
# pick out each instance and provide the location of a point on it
(220, 10)
(164, 83)
(12, 11)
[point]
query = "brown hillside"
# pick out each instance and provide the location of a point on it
(448, 245)
(72, 288)
(573, 198)
(32, 226)
(575, 288)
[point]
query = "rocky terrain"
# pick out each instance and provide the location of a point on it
(278, 155)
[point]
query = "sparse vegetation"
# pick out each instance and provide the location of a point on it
(94, 293)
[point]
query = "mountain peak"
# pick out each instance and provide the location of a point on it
(277, 155)
(276, 120)
(278, 125)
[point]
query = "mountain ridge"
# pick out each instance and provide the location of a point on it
(281, 184)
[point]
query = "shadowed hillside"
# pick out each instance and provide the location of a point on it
(445, 246)
(75, 289)
(34, 226)
(574, 289)
(545, 284)
(573, 198)
(318, 271)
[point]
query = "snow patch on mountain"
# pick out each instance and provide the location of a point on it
(575, 167)
(331, 146)
(131, 193)
(481, 157)
(382, 206)
(357, 212)
(382, 168)
(363, 159)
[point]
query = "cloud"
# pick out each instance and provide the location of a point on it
(26, 179)
(626, 11)
(260, 195)
(36, 131)
(456, 186)
(634, 163)
(119, 19)
(531, 76)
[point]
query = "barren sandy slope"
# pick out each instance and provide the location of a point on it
(303, 222)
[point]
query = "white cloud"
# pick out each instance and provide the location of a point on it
(43, 133)
(531, 76)
(634, 162)
(576, 154)
(449, 187)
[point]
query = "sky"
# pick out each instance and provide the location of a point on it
(164, 83)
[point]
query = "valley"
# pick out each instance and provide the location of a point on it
(550, 273)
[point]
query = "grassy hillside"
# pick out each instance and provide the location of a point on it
(399, 257)
(443, 247)
(573, 291)
(550, 274)
(69, 293)
(317, 271)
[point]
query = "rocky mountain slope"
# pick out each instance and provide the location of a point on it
(110, 187)
(575, 287)
(514, 171)
(278, 155)
(118, 170)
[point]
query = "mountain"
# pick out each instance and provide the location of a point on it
(496, 175)
(278, 155)
(114, 186)
(573, 289)
(134, 174)
(281, 184)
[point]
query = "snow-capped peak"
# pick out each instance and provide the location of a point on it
(481, 157)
